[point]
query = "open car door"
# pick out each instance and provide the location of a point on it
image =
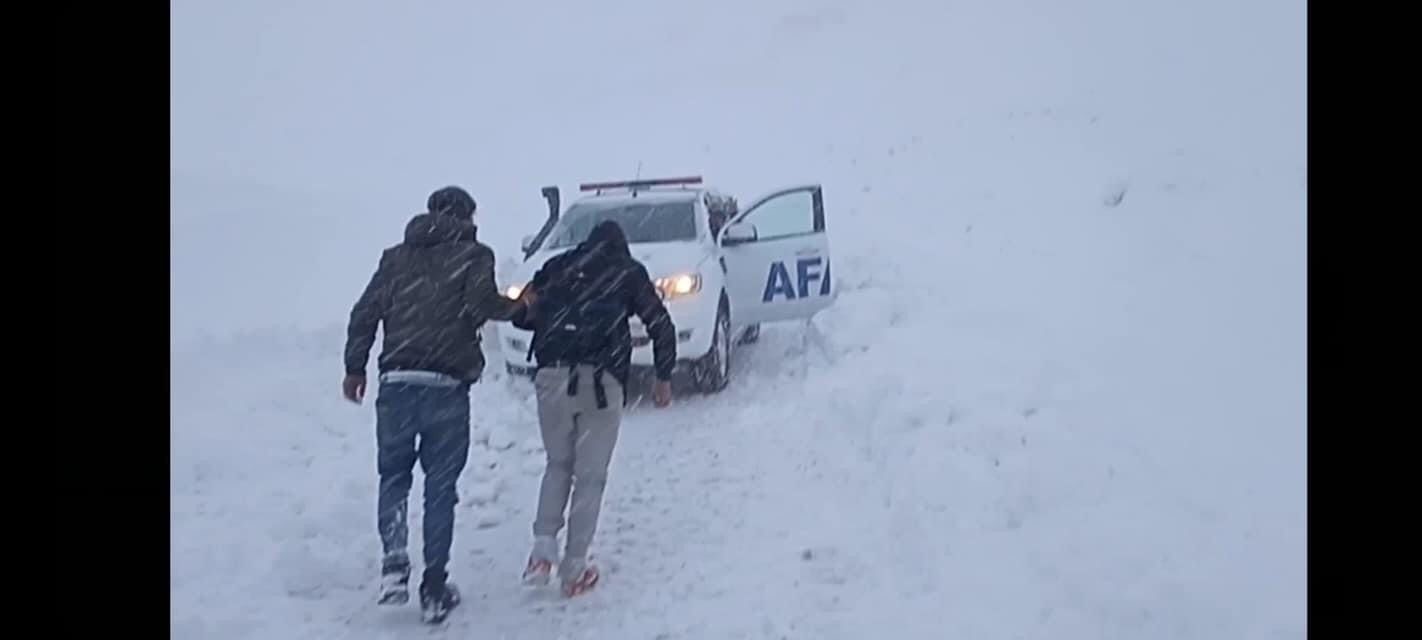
(777, 258)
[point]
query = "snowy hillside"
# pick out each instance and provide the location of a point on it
(1061, 394)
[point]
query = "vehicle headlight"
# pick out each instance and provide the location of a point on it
(682, 284)
(513, 292)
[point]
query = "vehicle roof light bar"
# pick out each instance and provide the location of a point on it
(635, 185)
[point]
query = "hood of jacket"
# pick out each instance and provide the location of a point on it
(451, 201)
(428, 229)
(606, 240)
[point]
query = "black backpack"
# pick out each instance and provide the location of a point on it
(578, 311)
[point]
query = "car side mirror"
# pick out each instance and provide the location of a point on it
(527, 243)
(740, 233)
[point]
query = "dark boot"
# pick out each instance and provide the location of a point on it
(438, 597)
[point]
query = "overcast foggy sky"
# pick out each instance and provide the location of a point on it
(348, 113)
(327, 95)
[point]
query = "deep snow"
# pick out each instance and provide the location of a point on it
(1061, 395)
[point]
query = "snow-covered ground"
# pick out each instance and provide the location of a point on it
(1061, 395)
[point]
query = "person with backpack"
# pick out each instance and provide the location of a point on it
(433, 293)
(577, 307)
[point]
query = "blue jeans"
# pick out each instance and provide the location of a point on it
(431, 424)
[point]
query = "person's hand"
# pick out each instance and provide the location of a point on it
(661, 393)
(353, 387)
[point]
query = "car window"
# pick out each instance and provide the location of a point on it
(643, 222)
(789, 214)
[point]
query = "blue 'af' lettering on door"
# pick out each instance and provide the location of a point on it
(778, 283)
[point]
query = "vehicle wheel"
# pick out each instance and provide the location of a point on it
(751, 334)
(713, 370)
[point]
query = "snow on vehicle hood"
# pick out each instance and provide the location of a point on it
(661, 259)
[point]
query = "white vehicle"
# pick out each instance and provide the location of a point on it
(721, 272)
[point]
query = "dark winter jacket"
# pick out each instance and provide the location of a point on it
(433, 292)
(605, 252)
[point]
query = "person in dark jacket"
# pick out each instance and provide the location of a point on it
(580, 399)
(433, 293)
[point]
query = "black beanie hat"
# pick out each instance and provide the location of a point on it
(452, 201)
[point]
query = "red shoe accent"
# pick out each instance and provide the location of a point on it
(538, 571)
(584, 583)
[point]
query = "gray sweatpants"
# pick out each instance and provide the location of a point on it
(578, 438)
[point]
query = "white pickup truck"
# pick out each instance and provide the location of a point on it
(722, 272)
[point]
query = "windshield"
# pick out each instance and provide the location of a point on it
(641, 221)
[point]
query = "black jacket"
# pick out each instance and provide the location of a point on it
(433, 292)
(606, 249)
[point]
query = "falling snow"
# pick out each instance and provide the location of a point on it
(1054, 399)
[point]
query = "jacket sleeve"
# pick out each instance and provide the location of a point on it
(482, 299)
(366, 315)
(647, 304)
(523, 316)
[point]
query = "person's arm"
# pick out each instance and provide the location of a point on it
(482, 299)
(647, 304)
(523, 317)
(365, 318)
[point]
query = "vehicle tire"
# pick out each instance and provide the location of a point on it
(713, 370)
(751, 334)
